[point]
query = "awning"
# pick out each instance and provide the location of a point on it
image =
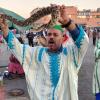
(14, 15)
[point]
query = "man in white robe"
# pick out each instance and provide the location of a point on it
(51, 72)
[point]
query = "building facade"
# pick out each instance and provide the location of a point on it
(85, 17)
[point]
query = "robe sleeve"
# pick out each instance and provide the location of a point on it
(21, 51)
(79, 47)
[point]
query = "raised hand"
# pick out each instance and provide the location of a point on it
(64, 19)
(4, 26)
(63, 15)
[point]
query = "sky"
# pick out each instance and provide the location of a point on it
(24, 7)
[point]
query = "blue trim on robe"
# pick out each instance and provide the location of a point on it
(74, 58)
(65, 51)
(80, 37)
(40, 54)
(9, 40)
(77, 35)
(54, 63)
(54, 69)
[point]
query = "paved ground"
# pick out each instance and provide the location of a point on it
(16, 83)
(85, 75)
(13, 84)
(85, 81)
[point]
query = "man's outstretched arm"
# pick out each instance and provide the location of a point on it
(15, 46)
(78, 35)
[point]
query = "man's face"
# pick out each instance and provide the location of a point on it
(54, 39)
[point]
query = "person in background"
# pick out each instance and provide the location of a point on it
(15, 69)
(94, 36)
(30, 37)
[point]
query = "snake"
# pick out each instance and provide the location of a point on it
(36, 15)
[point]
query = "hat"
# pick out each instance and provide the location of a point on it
(58, 27)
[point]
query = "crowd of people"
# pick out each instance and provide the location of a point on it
(51, 68)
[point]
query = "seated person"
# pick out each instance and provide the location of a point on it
(14, 68)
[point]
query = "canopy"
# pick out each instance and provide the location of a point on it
(18, 17)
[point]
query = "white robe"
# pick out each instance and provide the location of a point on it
(51, 76)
